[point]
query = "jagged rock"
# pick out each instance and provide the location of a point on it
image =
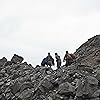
(26, 95)
(14, 76)
(2, 61)
(92, 80)
(17, 59)
(79, 81)
(15, 87)
(66, 88)
(96, 93)
(8, 63)
(26, 85)
(46, 83)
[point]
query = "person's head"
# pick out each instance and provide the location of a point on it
(56, 54)
(48, 53)
(66, 52)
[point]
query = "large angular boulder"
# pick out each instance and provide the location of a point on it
(87, 87)
(2, 61)
(17, 59)
(66, 88)
(15, 87)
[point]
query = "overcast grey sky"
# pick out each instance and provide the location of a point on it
(32, 28)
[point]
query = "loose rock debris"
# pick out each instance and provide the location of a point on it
(79, 81)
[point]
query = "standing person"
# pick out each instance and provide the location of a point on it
(50, 60)
(58, 60)
(68, 58)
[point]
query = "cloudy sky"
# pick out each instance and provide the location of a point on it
(32, 28)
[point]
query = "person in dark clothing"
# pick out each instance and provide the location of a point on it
(58, 60)
(68, 58)
(50, 60)
(44, 62)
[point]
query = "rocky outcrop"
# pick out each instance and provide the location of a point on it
(79, 81)
(89, 52)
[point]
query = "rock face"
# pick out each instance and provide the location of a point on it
(89, 52)
(79, 81)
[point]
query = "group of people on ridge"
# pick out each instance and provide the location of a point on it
(49, 61)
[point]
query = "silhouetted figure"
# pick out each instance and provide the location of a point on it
(44, 62)
(49, 61)
(58, 60)
(68, 58)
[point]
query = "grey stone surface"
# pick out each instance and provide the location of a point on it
(79, 81)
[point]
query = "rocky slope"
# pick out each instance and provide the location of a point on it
(89, 52)
(79, 81)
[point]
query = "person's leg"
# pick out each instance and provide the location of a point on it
(58, 64)
(50, 63)
(66, 62)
